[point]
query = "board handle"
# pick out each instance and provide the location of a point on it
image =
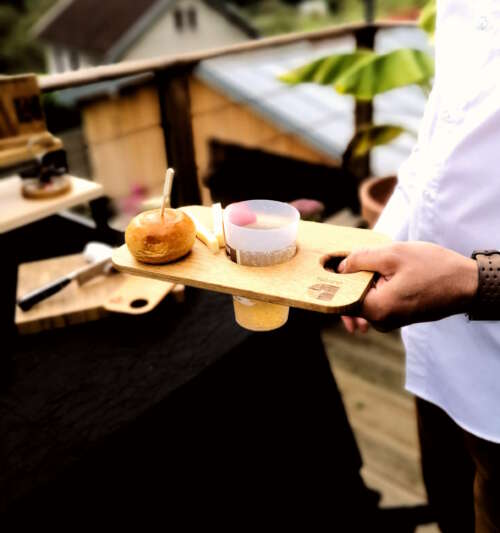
(137, 296)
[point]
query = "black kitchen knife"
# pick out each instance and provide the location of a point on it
(82, 275)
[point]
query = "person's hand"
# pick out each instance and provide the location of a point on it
(418, 282)
(355, 323)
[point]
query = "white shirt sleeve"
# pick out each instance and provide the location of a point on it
(395, 218)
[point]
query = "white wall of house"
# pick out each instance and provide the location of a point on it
(52, 66)
(165, 37)
(61, 59)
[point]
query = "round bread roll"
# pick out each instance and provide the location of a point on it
(153, 239)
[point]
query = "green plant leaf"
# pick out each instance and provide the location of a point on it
(382, 73)
(367, 137)
(427, 20)
(327, 70)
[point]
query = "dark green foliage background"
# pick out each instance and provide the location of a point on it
(19, 52)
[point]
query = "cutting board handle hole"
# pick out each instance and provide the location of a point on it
(331, 262)
(138, 303)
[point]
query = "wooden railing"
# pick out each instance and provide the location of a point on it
(171, 74)
(129, 68)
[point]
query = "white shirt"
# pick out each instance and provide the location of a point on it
(449, 193)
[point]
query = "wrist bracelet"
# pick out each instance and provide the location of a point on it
(486, 305)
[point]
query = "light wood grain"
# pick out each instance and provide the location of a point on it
(20, 108)
(18, 154)
(75, 304)
(214, 116)
(110, 118)
(136, 296)
(137, 159)
(292, 283)
(22, 121)
(125, 142)
(44, 138)
(16, 211)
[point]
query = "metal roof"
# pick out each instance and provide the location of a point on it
(320, 116)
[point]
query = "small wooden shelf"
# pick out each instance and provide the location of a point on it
(16, 211)
(301, 282)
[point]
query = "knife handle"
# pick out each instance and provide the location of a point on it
(36, 296)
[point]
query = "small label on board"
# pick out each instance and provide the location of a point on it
(323, 291)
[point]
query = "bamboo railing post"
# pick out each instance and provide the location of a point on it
(363, 114)
(175, 108)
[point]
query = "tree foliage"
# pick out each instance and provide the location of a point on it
(427, 19)
(19, 51)
(364, 74)
(368, 137)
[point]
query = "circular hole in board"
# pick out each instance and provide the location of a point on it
(138, 303)
(331, 262)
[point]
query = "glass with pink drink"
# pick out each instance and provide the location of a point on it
(260, 233)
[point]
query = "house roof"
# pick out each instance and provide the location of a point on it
(99, 26)
(318, 115)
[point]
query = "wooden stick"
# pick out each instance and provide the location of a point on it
(167, 190)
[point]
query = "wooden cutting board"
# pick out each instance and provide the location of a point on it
(302, 282)
(115, 292)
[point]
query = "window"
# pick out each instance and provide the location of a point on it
(192, 16)
(74, 60)
(58, 59)
(186, 18)
(178, 19)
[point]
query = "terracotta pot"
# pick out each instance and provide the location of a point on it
(374, 193)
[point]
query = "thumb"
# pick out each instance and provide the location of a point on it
(380, 260)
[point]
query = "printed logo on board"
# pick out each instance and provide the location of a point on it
(323, 291)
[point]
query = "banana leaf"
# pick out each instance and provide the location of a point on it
(364, 74)
(427, 20)
(367, 137)
(326, 70)
(382, 73)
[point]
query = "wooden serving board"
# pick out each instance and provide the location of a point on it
(302, 282)
(116, 292)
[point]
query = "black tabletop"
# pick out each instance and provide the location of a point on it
(68, 389)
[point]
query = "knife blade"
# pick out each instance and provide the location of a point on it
(86, 273)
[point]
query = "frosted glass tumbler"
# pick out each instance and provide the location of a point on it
(260, 233)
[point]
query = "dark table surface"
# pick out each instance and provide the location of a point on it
(176, 410)
(180, 405)
(70, 389)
